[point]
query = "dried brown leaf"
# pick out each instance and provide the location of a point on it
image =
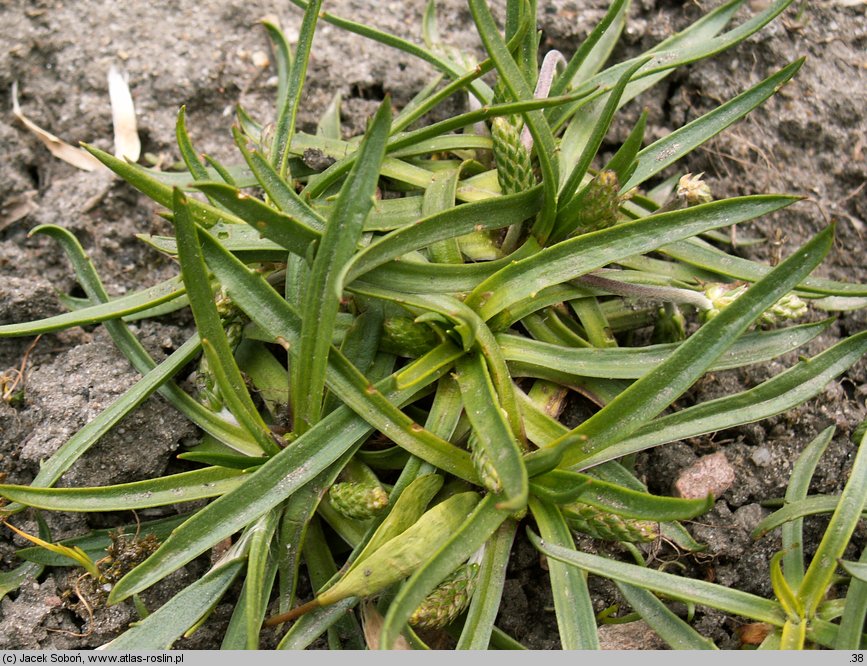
(59, 148)
(371, 622)
(126, 140)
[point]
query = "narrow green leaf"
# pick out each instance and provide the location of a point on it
(440, 196)
(141, 360)
(214, 341)
(799, 485)
(686, 589)
(495, 213)
(858, 570)
(485, 605)
(837, 535)
(204, 213)
(563, 486)
(674, 631)
(519, 88)
(652, 393)
(283, 56)
(479, 88)
(788, 389)
(164, 626)
(329, 124)
(699, 253)
(532, 358)
(12, 580)
(325, 283)
(570, 189)
(624, 161)
(345, 633)
(493, 432)
(683, 140)
(594, 49)
(188, 153)
(810, 506)
(164, 292)
(588, 252)
(258, 579)
(850, 636)
(784, 592)
(374, 402)
(576, 619)
(281, 192)
(282, 228)
(176, 488)
(287, 106)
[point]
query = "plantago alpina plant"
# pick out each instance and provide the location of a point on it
(417, 308)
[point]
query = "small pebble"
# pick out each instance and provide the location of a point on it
(260, 59)
(762, 457)
(709, 474)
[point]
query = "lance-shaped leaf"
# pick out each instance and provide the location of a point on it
(226, 432)
(812, 505)
(674, 631)
(293, 467)
(655, 391)
(495, 213)
(472, 331)
(575, 617)
(531, 358)
(684, 140)
(563, 486)
(12, 580)
(62, 459)
(214, 341)
(282, 228)
(325, 283)
(164, 626)
(140, 178)
(837, 535)
(281, 322)
(788, 389)
(584, 254)
(702, 254)
(172, 489)
(287, 104)
(281, 193)
(567, 214)
(485, 604)
(519, 89)
(493, 433)
(138, 302)
(432, 278)
(855, 610)
(799, 485)
(479, 88)
(685, 589)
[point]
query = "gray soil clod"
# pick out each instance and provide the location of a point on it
(810, 140)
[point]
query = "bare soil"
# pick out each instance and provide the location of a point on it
(810, 140)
